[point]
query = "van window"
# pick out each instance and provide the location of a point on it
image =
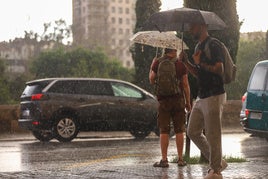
(258, 80)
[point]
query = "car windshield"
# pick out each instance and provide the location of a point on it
(34, 88)
(258, 81)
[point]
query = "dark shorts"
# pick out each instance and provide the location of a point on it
(171, 109)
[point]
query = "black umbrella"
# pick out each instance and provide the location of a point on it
(180, 19)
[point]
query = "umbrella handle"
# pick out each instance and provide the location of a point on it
(182, 42)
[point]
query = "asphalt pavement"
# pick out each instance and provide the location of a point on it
(140, 167)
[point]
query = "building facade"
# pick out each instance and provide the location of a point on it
(17, 53)
(105, 24)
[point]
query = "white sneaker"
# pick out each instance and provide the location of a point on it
(212, 175)
(224, 165)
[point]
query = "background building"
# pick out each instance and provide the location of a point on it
(18, 52)
(106, 24)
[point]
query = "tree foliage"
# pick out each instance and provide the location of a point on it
(249, 53)
(57, 31)
(4, 91)
(78, 63)
(142, 54)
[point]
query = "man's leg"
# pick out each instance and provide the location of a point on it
(179, 144)
(195, 129)
(164, 142)
(212, 108)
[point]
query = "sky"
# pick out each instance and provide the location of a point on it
(17, 16)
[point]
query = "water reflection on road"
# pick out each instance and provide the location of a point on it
(34, 155)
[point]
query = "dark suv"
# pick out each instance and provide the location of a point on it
(61, 107)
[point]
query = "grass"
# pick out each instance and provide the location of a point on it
(196, 160)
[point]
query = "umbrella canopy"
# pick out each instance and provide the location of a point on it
(159, 39)
(180, 19)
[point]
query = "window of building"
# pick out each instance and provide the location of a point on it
(127, 31)
(127, 10)
(120, 1)
(128, 64)
(120, 20)
(127, 21)
(113, 20)
(113, 42)
(120, 31)
(127, 1)
(113, 9)
(121, 42)
(120, 10)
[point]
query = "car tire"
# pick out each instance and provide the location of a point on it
(43, 135)
(157, 132)
(140, 133)
(65, 128)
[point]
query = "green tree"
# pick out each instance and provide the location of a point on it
(57, 31)
(4, 90)
(143, 55)
(78, 62)
(249, 53)
(226, 10)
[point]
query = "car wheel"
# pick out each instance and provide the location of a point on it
(43, 135)
(157, 132)
(65, 128)
(140, 133)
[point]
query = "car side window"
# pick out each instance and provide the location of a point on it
(258, 79)
(65, 87)
(93, 87)
(125, 90)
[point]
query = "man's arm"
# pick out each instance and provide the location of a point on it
(186, 90)
(191, 68)
(217, 68)
(152, 76)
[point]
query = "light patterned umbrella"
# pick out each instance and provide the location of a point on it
(159, 39)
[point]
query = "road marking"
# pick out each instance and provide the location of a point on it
(91, 162)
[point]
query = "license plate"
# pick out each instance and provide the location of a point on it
(255, 115)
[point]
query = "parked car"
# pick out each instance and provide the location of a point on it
(254, 112)
(61, 107)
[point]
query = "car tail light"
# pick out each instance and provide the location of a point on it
(246, 112)
(244, 98)
(37, 97)
(35, 123)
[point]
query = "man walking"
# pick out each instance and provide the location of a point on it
(170, 78)
(207, 110)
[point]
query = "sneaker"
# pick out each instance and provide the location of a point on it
(224, 165)
(162, 164)
(212, 175)
(181, 163)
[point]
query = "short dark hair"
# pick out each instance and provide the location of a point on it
(168, 50)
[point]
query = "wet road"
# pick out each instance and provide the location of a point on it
(121, 156)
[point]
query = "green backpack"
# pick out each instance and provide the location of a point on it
(167, 82)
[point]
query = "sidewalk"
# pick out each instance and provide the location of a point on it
(27, 135)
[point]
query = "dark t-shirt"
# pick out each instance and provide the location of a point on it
(210, 84)
(180, 71)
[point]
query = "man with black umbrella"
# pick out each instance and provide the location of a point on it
(207, 110)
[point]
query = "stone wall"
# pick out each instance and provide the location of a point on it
(9, 115)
